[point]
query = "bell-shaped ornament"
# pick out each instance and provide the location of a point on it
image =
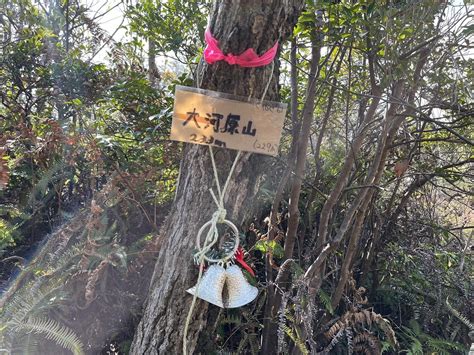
(211, 286)
(239, 290)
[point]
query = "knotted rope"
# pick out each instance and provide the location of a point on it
(218, 217)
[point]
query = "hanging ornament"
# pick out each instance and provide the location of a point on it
(223, 287)
(211, 288)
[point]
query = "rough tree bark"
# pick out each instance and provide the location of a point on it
(237, 26)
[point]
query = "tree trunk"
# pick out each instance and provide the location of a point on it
(237, 26)
(270, 336)
(153, 73)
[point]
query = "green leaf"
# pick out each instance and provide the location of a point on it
(326, 301)
(370, 8)
(266, 246)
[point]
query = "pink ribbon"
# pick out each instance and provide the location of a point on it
(248, 59)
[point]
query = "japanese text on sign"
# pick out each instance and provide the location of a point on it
(213, 118)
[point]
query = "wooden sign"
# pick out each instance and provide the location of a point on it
(227, 121)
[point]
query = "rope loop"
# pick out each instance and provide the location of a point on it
(209, 242)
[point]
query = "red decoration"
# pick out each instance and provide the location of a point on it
(239, 256)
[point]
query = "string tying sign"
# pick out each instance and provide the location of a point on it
(227, 121)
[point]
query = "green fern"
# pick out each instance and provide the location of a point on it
(52, 330)
(386, 347)
(21, 317)
(69, 257)
(53, 174)
(459, 316)
(296, 339)
(21, 304)
(61, 254)
(422, 343)
(326, 301)
(416, 347)
(443, 347)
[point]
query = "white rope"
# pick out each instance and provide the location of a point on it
(212, 236)
(268, 83)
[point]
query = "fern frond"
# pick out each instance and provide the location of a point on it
(340, 325)
(384, 325)
(69, 256)
(296, 339)
(459, 316)
(5, 341)
(368, 340)
(442, 346)
(326, 301)
(416, 347)
(386, 346)
(32, 301)
(362, 349)
(359, 318)
(53, 174)
(21, 304)
(337, 337)
(349, 337)
(61, 335)
(254, 344)
(282, 316)
(62, 254)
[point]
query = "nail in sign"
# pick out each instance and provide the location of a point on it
(227, 121)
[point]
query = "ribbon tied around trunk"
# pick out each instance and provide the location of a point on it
(248, 59)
